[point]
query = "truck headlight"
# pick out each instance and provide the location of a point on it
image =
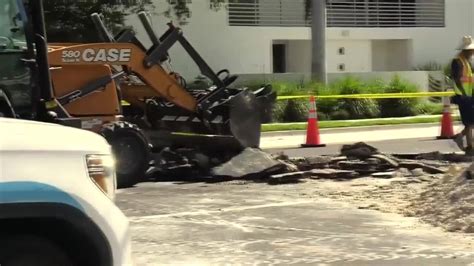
(101, 169)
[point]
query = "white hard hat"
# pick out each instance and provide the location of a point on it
(467, 43)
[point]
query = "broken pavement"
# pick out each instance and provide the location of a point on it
(354, 161)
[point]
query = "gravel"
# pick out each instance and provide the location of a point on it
(448, 202)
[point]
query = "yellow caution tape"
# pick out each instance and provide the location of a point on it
(372, 96)
(360, 96)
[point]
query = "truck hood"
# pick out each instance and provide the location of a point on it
(18, 135)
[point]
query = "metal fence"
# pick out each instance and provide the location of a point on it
(340, 13)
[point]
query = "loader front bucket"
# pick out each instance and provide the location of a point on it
(245, 120)
(266, 97)
(248, 110)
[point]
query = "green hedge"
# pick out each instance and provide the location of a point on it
(343, 109)
(355, 108)
(399, 107)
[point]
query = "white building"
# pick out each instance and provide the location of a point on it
(273, 36)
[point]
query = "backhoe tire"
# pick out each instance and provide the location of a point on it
(26, 250)
(131, 150)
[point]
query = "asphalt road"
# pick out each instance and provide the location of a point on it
(237, 223)
(257, 224)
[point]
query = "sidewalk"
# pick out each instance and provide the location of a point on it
(409, 120)
(293, 139)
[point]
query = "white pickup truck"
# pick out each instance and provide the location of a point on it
(57, 189)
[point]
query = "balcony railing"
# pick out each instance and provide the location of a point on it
(340, 13)
(289, 13)
(384, 13)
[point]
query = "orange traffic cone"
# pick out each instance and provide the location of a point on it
(312, 131)
(447, 130)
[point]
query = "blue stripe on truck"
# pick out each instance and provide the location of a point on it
(24, 192)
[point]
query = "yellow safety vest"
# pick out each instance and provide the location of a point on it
(466, 79)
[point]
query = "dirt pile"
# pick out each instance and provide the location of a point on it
(448, 202)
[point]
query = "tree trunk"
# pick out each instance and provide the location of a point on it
(318, 33)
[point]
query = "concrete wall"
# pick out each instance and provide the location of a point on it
(391, 55)
(357, 56)
(297, 56)
(249, 49)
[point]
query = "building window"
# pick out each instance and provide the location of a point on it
(341, 67)
(341, 51)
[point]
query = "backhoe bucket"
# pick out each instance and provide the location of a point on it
(245, 121)
(248, 110)
(266, 98)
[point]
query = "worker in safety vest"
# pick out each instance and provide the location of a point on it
(462, 75)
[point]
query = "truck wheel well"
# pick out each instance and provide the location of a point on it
(78, 247)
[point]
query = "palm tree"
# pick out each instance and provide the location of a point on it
(318, 40)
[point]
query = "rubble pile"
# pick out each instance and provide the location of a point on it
(448, 202)
(354, 161)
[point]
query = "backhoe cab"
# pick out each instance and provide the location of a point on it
(19, 79)
(26, 90)
(25, 81)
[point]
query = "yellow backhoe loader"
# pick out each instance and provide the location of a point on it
(91, 80)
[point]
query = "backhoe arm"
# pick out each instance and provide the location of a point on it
(158, 80)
